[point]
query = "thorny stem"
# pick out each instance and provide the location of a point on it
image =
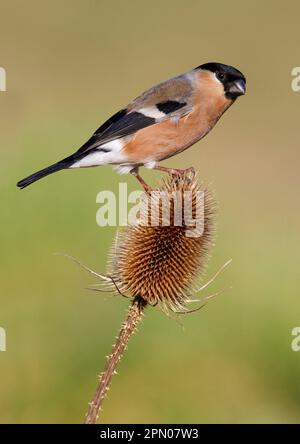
(134, 316)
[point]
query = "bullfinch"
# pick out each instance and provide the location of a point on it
(160, 123)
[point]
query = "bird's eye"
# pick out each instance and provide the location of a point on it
(220, 75)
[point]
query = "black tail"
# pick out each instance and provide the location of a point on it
(61, 165)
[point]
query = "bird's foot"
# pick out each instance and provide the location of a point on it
(176, 172)
(144, 184)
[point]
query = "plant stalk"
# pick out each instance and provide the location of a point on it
(134, 316)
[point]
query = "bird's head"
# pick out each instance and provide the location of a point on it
(231, 79)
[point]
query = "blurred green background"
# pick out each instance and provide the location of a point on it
(69, 66)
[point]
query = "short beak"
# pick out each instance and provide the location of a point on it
(236, 88)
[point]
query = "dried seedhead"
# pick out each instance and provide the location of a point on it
(156, 261)
(159, 257)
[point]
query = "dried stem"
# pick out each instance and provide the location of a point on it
(134, 316)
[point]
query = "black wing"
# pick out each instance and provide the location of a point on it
(124, 123)
(119, 125)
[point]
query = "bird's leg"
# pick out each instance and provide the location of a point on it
(135, 173)
(175, 171)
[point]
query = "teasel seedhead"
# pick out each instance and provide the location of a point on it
(156, 261)
(160, 263)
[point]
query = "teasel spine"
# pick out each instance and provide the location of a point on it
(134, 317)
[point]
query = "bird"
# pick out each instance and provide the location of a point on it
(163, 121)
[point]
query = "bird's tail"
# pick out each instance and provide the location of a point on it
(61, 165)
